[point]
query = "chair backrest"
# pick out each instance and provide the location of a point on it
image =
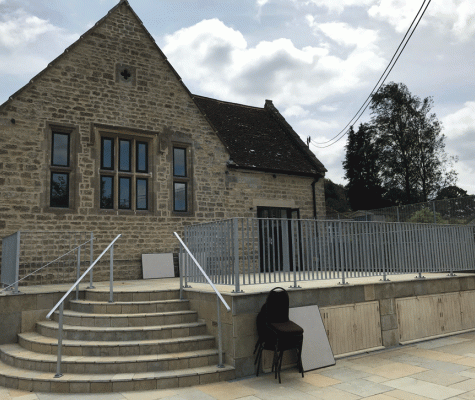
(277, 305)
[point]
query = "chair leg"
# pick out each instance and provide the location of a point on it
(281, 356)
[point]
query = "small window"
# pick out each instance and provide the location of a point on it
(107, 153)
(124, 155)
(59, 196)
(142, 194)
(142, 157)
(124, 194)
(179, 196)
(60, 147)
(179, 162)
(107, 192)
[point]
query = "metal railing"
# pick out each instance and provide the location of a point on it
(457, 211)
(187, 255)
(27, 255)
(75, 285)
(243, 251)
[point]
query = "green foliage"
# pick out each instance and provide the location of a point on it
(451, 192)
(336, 197)
(424, 215)
(401, 151)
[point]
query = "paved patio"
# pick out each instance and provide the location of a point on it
(436, 369)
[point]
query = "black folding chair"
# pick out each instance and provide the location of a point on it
(276, 332)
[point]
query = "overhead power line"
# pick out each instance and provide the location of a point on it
(380, 82)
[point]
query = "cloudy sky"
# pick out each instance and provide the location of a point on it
(316, 59)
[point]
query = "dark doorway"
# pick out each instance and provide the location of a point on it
(275, 238)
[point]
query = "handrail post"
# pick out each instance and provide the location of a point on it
(180, 270)
(111, 275)
(60, 341)
(237, 288)
(17, 264)
(78, 272)
(220, 334)
(91, 258)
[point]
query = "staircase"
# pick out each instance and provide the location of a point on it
(142, 341)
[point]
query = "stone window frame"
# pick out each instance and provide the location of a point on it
(71, 169)
(187, 179)
(135, 138)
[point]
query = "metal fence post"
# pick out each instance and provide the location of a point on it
(220, 334)
(237, 287)
(60, 341)
(111, 276)
(17, 264)
(78, 272)
(91, 259)
(342, 262)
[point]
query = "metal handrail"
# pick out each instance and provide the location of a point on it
(218, 298)
(60, 303)
(46, 265)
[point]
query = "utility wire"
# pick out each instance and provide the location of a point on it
(380, 82)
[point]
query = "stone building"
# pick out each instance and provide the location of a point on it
(108, 139)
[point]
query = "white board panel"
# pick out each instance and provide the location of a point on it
(316, 350)
(158, 266)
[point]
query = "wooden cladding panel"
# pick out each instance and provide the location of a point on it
(352, 327)
(426, 316)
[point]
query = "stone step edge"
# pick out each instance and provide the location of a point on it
(32, 381)
(11, 350)
(31, 336)
(79, 314)
(102, 329)
(127, 303)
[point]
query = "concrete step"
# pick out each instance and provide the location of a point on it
(19, 357)
(92, 333)
(128, 307)
(122, 295)
(49, 345)
(39, 381)
(126, 320)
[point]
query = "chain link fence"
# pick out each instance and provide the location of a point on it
(459, 211)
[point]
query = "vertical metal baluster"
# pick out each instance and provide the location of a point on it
(220, 335)
(60, 342)
(78, 272)
(91, 260)
(111, 275)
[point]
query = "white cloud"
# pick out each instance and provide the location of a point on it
(217, 59)
(337, 6)
(20, 28)
(295, 111)
(344, 34)
(454, 16)
(461, 122)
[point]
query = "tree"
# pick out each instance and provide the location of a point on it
(335, 197)
(410, 146)
(451, 192)
(361, 169)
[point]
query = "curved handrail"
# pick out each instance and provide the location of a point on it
(203, 272)
(80, 278)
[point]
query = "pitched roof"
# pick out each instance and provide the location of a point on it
(259, 138)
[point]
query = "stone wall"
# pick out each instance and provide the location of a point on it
(82, 92)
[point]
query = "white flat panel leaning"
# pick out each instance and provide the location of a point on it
(158, 266)
(316, 350)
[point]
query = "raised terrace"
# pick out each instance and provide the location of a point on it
(150, 339)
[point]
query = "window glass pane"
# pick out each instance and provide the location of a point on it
(142, 194)
(107, 199)
(142, 157)
(179, 162)
(59, 190)
(124, 193)
(60, 154)
(179, 196)
(107, 160)
(124, 155)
